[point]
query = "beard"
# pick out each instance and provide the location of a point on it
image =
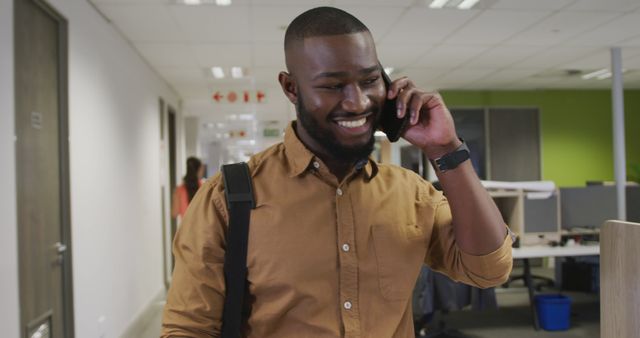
(327, 138)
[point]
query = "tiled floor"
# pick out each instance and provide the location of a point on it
(152, 329)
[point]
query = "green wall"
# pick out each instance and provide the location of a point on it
(576, 128)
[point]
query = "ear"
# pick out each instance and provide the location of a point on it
(288, 85)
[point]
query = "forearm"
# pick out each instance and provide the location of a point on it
(478, 226)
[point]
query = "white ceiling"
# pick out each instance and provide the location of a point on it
(500, 44)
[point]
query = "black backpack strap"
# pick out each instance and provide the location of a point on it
(239, 193)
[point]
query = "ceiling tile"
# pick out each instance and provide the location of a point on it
(268, 55)
(621, 6)
(494, 26)
(269, 22)
(595, 60)
(502, 56)
(634, 42)
(510, 75)
(385, 3)
(157, 26)
(167, 54)
(465, 75)
(630, 51)
(555, 56)
(213, 23)
(620, 29)
(532, 83)
(379, 20)
(193, 75)
(446, 48)
(425, 25)
(449, 55)
(562, 26)
(531, 5)
(130, 2)
(400, 55)
(267, 77)
(223, 55)
(308, 3)
(420, 75)
(632, 63)
(192, 91)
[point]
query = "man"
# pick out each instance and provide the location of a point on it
(337, 241)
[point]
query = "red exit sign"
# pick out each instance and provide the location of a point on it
(244, 96)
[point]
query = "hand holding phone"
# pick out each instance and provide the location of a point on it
(390, 124)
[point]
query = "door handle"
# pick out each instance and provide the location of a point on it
(61, 248)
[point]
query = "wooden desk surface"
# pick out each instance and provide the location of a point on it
(558, 251)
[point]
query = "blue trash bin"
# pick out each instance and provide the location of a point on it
(553, 311)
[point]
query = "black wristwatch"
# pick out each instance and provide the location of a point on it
(453, 159)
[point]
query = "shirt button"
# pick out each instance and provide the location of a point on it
(316, 164)
(345, 247)
(347, 305)
(339, 192)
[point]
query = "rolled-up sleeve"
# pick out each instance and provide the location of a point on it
(443, 255)
(196, 297)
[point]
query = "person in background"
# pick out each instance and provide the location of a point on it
(184, 193)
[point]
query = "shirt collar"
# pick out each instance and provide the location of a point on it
(300, 158)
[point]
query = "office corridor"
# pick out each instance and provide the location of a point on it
(102, 103)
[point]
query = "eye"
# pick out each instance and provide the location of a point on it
(336, 86)
(370, 81)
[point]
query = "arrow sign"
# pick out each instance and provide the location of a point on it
(217, 96)
(245, 96)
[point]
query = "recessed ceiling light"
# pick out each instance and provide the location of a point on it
(236, 72)
(467, 4)
(438, 3)
(203, 2)
(217, 72)
(604, 76)
(597, 73)
(459, 4)
(245, 117)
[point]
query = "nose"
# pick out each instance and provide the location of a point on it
(355, 99)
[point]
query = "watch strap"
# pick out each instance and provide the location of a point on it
(453, 159)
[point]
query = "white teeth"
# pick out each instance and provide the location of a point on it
(353, 124)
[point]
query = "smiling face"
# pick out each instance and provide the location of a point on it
(335, 82)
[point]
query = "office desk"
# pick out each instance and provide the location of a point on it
(558, 251)
(527, 252)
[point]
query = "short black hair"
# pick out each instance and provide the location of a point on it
(322, 21)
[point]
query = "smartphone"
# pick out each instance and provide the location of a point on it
(390, 124)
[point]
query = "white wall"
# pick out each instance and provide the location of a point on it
(115, 179)
(115, 176)
(9, 308)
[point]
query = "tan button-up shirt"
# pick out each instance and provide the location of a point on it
(325, 258)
